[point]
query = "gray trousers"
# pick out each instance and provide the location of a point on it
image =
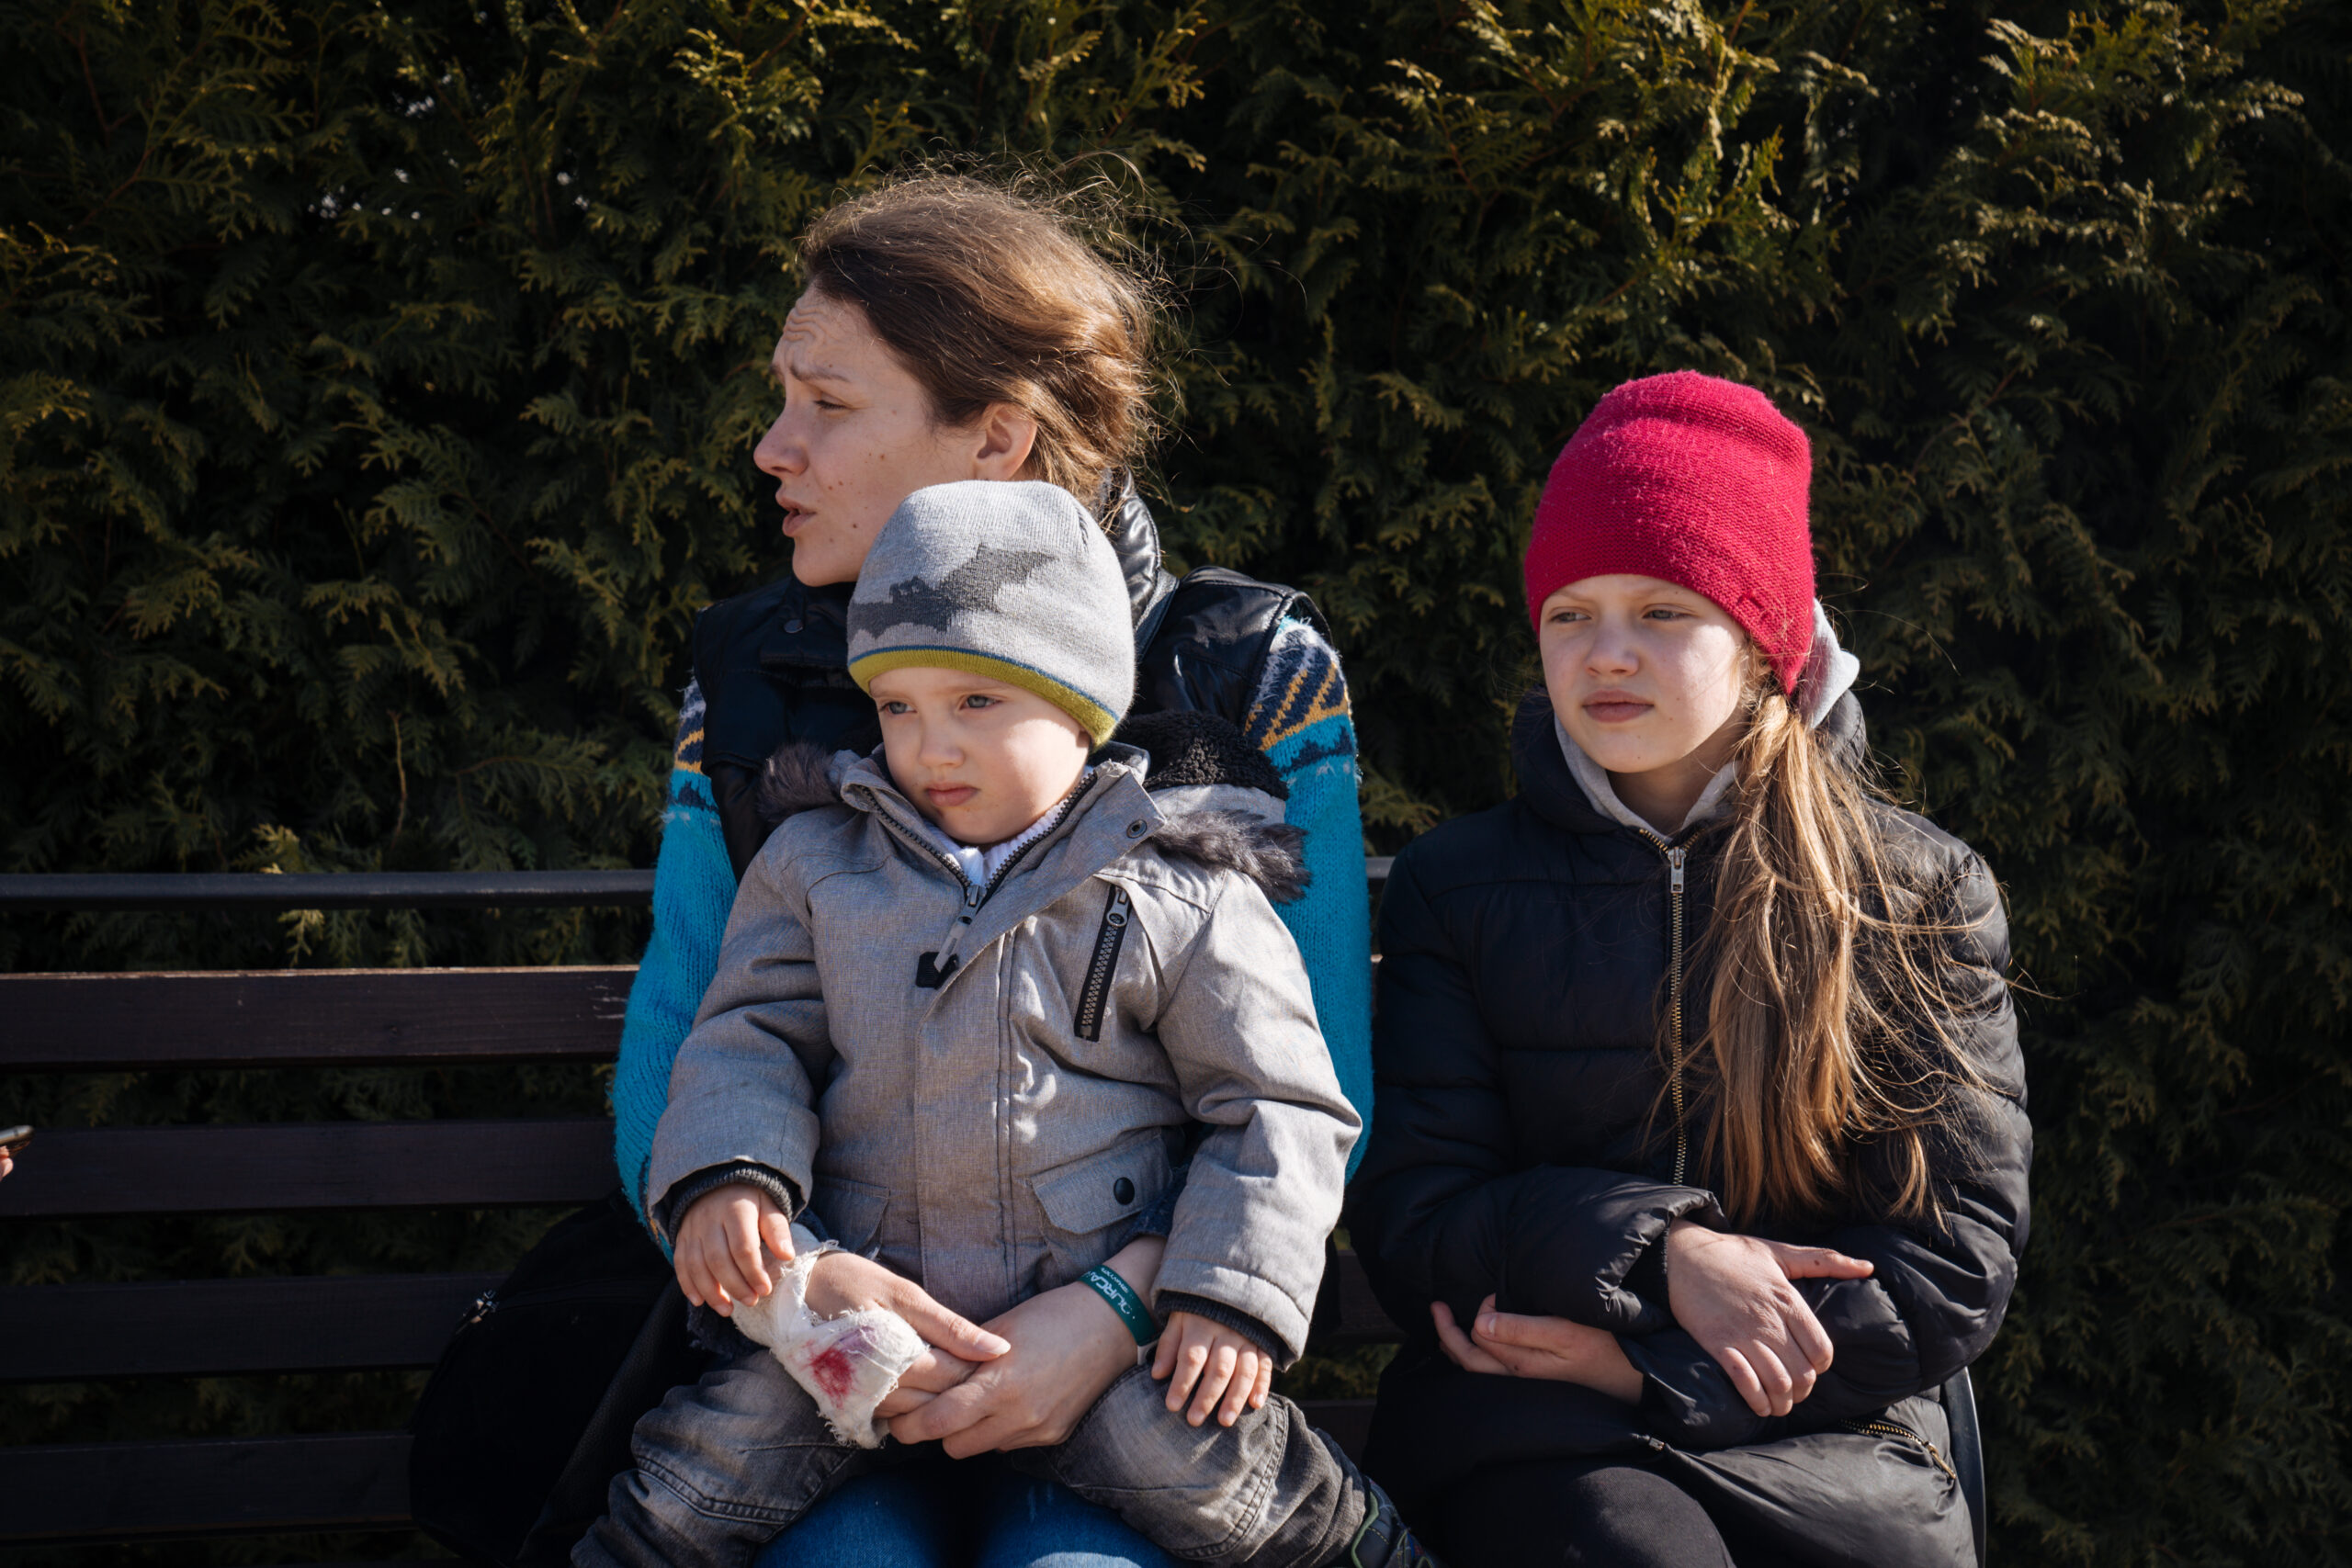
(727, 1464)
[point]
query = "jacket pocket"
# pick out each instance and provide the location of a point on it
(852, 1211)
(1083, 1198)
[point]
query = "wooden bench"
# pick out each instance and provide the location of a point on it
(159, 1488)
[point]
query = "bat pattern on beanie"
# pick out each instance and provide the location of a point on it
(1012, 579)
(979, 582)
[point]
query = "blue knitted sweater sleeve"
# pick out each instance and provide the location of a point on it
(694, 890)
(1300, 719)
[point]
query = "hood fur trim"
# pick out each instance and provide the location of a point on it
(797, 775)
(1271, 855)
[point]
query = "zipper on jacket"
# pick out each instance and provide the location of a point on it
(1674, 858)
(928, 973)
(916, 841)
(1096, 992)
(1882, 1427)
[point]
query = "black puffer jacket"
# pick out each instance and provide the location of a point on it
(1524, 955)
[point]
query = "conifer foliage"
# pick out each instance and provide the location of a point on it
(377, 386)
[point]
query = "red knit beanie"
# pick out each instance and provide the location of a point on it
(1698, 482)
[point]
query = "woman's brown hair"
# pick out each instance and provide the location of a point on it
(1831, 1000)
(987, 292)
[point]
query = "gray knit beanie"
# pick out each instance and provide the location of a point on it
(1011, 580)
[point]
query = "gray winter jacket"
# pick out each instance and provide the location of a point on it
(983, 1087)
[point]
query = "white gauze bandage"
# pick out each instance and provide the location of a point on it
(849, 1364)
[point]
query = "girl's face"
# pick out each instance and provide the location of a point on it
(1649, 678)
(858, 437)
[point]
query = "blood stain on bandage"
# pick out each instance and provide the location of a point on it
(834, 1372)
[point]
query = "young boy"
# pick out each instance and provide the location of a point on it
(970, 1014)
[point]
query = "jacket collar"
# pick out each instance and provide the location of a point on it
(809, 629)
(1134, 539)
(1113, 813)
(1545, 783)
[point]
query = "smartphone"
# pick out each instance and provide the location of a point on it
(13, 1139)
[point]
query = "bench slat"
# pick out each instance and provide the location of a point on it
(204, 891)
(311, 1018)
(333, 1164)
(217, 1327)
(126, 1491)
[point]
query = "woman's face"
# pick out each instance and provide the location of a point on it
(1647, 677)
(858, 437)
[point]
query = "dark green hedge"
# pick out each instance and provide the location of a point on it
(377, 387)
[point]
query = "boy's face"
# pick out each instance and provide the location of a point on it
(980, 758)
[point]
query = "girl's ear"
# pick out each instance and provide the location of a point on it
(1005, 436)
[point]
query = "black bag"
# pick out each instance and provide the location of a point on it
(527, 1416)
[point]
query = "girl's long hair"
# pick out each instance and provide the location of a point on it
(1830, 997)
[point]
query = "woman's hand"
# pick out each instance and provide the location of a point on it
(719, 1256)
(1067, 1346)
(1732, 1294)
(1503, 1343)
(1214, 1364)
(935, 1373)
(842, 1282)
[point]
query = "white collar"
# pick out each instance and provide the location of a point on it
(981, 864)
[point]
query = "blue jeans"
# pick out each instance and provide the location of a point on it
(936, 1512)
(726, 1465)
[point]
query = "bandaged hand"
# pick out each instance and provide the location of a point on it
(847, 1363)
(1220, 1369)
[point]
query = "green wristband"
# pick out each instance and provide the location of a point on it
(1105, 1282)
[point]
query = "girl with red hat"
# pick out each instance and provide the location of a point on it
(1700, 1152)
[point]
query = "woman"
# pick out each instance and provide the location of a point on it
(1700, 1147)
(954, 331)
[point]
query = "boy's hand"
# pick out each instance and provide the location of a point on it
(717, 1254)
(1220, 1367)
